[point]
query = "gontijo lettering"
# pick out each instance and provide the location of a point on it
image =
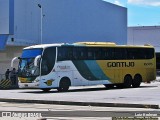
(120, 64)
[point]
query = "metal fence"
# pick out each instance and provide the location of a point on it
(8, 83)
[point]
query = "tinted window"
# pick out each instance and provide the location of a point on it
(103, 53)
(48, 60)
(120, 53)
(140, 53)
(107, 53)
(79, 53)
(31, 53)
(149, 53)
(65, 53)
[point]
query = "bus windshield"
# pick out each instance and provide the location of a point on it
(26, 64)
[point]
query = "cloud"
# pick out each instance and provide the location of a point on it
(117, 3)
(145, 2)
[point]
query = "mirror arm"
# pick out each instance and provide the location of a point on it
(36, 60)
(15, 58)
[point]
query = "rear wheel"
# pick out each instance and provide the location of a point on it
(127, 81)
(136, 81)
(64, 85)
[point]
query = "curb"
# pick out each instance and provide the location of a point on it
(81, 103)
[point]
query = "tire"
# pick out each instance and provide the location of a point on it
(109, 86)
(127, 81)
(46, 89)
(136, 81)
(64, 85)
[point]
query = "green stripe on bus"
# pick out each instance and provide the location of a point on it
(84, 70)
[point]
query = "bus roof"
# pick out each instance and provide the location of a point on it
(45, 45)
(88, 44)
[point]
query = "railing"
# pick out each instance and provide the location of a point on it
(2, 76)
(11, 82)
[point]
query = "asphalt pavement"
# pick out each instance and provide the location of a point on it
(146, 96)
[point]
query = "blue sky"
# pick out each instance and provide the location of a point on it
(141, 12)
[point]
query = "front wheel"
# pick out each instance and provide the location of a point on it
(64, 85)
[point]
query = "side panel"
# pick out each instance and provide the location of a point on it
(116, 70)
(97, 72)
(91, 72)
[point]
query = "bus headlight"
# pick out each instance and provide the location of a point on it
(36, 80)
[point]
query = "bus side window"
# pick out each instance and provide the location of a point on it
(75, 53)
(93, 53)
(119, 53)
(82, 53)
(97, 54)
(130, 53)
(90, 55)
(69, 54)
(107, 53)
(149, 53)
(60, 56)
(65, 53)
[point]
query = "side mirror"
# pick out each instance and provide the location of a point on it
(15, 58)
(36, 60)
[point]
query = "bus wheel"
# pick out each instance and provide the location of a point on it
(127, 81)
(64, 85)
(46, 89)
(136, 81)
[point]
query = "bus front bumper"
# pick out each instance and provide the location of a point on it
(29, 85)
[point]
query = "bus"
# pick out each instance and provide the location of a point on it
(59, 66)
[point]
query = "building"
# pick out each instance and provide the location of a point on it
(141, 35)
(59, 21)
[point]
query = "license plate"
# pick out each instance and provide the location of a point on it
(23, 80)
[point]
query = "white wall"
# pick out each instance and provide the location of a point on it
(144, 35)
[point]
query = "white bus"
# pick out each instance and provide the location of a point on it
(60, 66)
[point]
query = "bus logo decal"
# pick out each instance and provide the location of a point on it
(120, 64)
(49, 82)
(63, 67)
(148, 64)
